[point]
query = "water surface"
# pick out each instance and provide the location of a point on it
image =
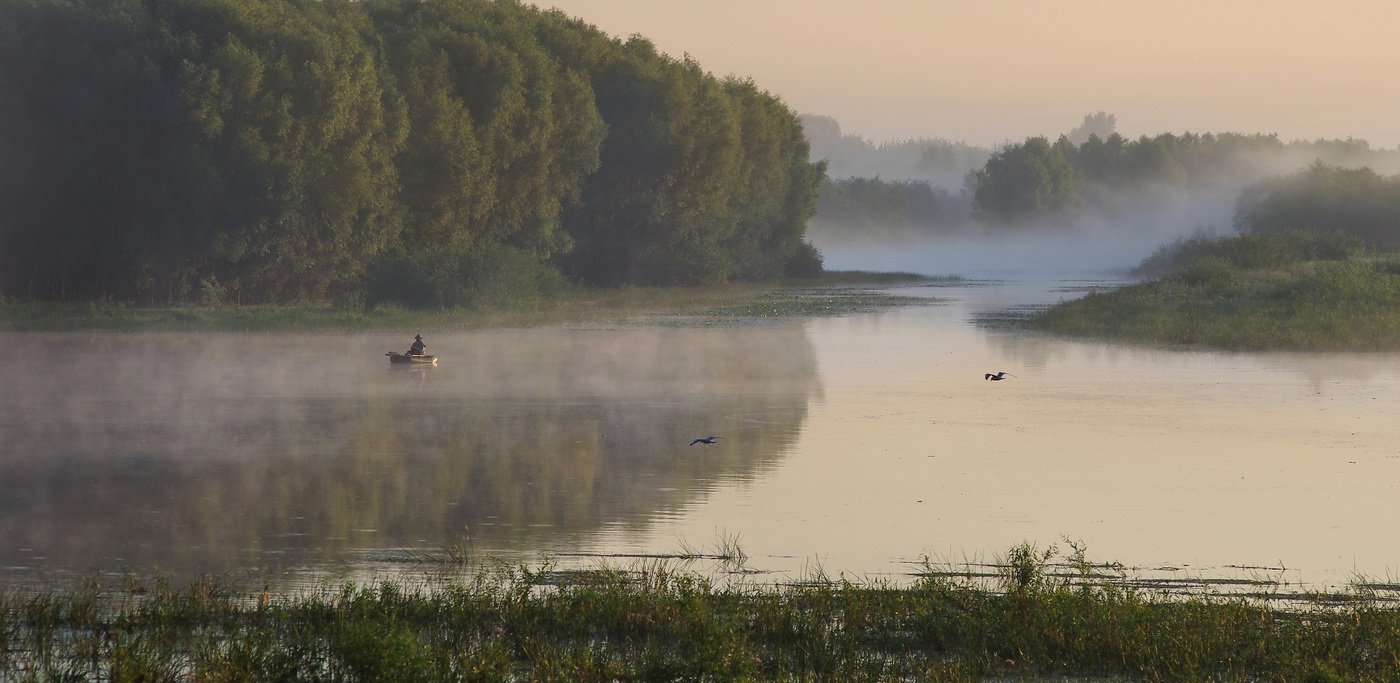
(851, 445)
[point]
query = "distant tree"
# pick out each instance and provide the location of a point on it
(1357, 201)
(1152, 162)
(822, 131)
(1100, 124)
(934, 160)
(1031, 181)
(875, 209)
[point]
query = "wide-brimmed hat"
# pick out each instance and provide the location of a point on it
(418, 337)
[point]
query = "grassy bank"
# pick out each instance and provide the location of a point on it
(785, 299)
(656, 623)
(1294, 292)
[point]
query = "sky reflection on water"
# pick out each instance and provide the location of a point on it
(853, 444)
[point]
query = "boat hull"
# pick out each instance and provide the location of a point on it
(396, 357)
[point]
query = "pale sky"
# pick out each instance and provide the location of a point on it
(992, 71)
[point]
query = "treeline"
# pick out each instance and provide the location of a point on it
(892, 190)
(1322, 212)
(929, 187)
(1038, 182)
(430, 152)
(876, 209)
(936, 161)
(1358, 202)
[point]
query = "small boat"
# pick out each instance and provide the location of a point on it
(396, 357)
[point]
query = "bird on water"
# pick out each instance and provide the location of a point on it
(708, 439)
(997, 377)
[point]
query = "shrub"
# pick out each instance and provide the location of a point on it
(1212, 272)
(806, 262)
(1265, 250)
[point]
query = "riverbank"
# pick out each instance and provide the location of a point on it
(833, 294)
(654, 622)
(1271, 293)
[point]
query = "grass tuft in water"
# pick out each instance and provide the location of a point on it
(1038, 618)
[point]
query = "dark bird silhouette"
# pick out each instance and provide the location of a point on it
(997, 377)
(708, 439)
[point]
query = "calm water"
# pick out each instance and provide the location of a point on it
(854, 445)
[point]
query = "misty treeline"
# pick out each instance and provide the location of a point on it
(936, 161)
(429, 152)
(890, 190)
(874, 208)
(1039, 182)
(1094, 173)
(1358, 202)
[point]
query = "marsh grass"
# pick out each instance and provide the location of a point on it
(1042, 617)
(1288, 294)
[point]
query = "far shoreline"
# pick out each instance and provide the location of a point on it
(574, 306)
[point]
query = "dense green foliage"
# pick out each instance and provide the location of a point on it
(656, 622)
(419, 151)
(1357, 201)
(1291, 290)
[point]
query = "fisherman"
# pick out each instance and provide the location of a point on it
(418, 346)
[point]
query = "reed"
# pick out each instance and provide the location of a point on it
(657, 622)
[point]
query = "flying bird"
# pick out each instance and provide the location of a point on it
(997, 377)
(708, 439)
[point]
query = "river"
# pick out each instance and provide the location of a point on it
(850, 446)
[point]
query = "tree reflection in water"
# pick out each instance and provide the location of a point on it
(244, 452)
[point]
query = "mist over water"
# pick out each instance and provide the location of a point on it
(311, 455)
(854, 444)
(1118, 239)
(1179, 464)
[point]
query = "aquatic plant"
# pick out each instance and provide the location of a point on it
(654, 621)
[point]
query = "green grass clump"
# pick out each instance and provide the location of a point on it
(659, 623)
(1288, 292)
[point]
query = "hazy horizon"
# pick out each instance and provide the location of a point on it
(988, 73)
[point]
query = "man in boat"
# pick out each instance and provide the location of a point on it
(418, 346)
